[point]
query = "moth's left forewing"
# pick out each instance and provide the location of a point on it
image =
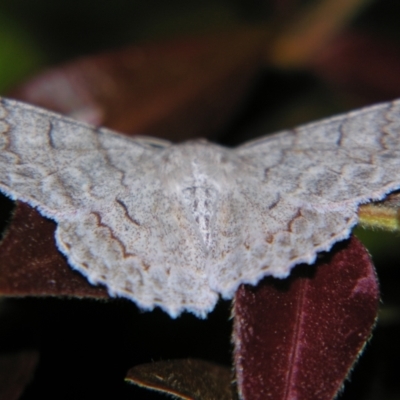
(348, 159)
(304, 187)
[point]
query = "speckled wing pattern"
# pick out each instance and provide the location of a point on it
(176, 226)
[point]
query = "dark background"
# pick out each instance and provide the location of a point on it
(86, 346)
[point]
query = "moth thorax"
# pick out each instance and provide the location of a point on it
(201, 204)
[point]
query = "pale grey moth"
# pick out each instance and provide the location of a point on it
(177, 225)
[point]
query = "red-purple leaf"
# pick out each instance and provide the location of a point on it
(16, 371)
(188, 379)
(174, 89)
(298, 338)
(30, 263)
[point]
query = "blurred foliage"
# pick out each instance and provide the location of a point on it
(66, 29)
(19, 54)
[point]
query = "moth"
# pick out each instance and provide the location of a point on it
(178, 225)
